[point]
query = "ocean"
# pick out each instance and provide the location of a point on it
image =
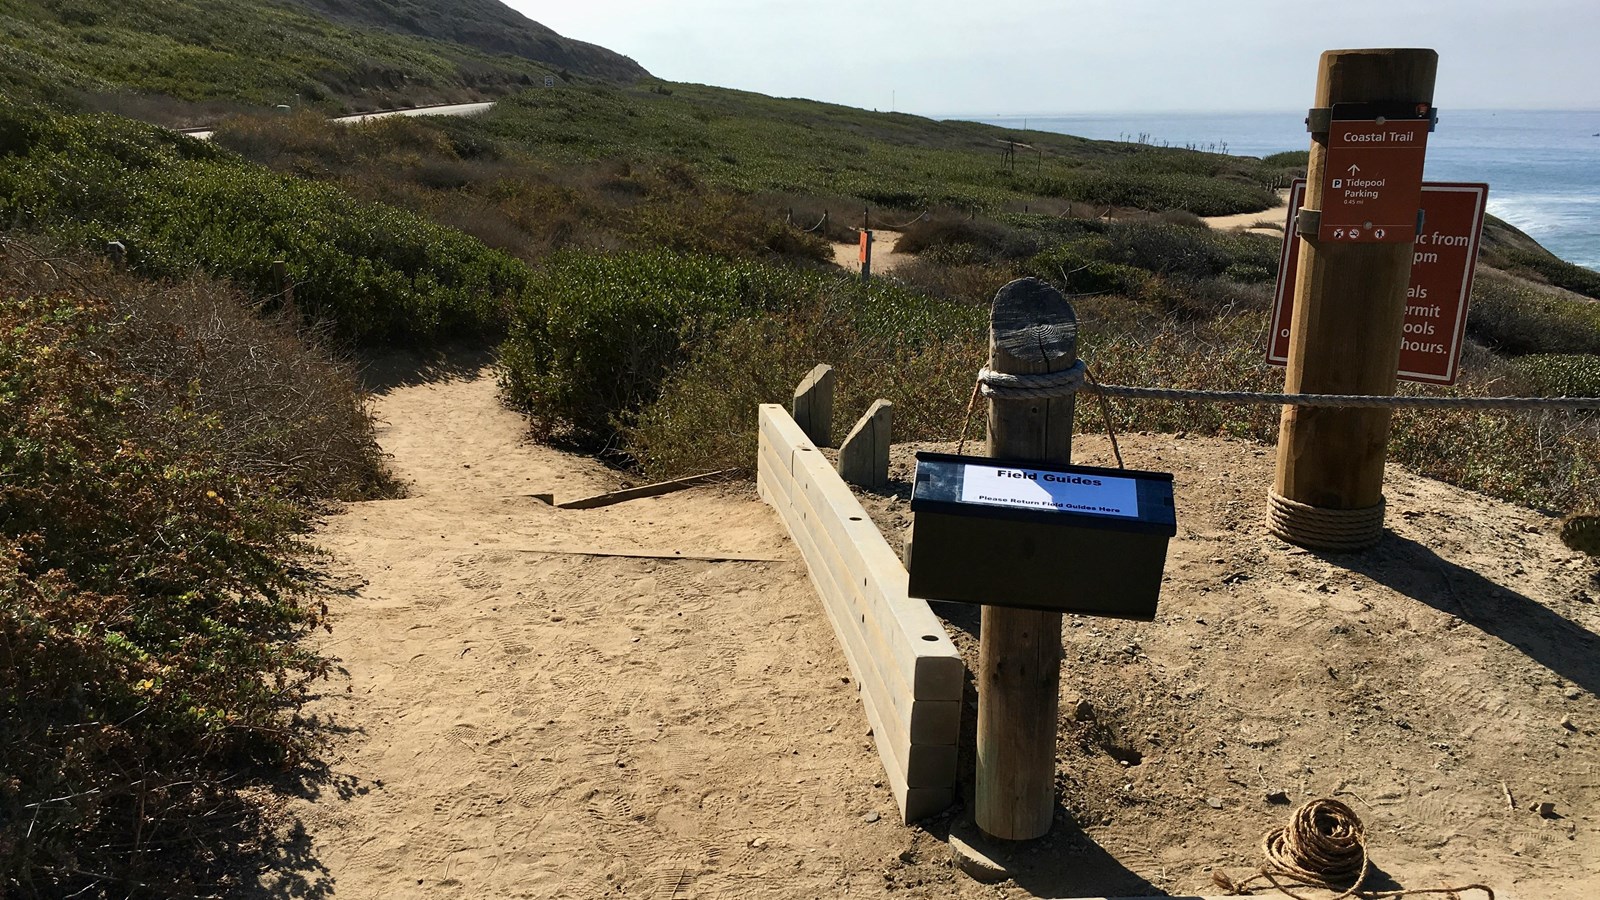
(1542, 167)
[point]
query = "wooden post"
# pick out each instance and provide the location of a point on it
(1033, 331)
(1349, 309)
(864, 455)
(813, 405)
(866, 243)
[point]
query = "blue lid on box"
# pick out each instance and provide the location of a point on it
(1077, 496)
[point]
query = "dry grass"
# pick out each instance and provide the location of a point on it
(161, 451)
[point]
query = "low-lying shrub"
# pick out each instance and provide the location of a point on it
(594, 336)
(1559, 375)
(160, 452)
(1518, 317)
(920, 354)
(1539, 265)
(376, 272)
(599, 336)
(988, 240)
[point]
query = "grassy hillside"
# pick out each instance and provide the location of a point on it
(754, 143)
(180, 60)
(373, 272)
(488, 25)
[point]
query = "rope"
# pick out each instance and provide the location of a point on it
(1322, 847)
(1061, 384)
(1105, 416)
(919, 218)
(1027, 387)
(1074, 375)
(820, 222)
(1320, 528)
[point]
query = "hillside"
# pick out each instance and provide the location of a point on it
(186, 61)
(487, 25)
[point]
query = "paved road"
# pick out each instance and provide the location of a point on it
(454, 109)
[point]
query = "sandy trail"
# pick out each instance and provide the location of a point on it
(884, 257)
(536, 724)
(528, 723)
(1247, 221)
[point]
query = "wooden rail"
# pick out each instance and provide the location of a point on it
(908, 672)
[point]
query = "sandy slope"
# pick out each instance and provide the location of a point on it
(1247, 221)
(527, 723)
(885, 258)
(536, 724)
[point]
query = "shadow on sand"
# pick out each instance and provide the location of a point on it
(1543, 635)
(381, 373)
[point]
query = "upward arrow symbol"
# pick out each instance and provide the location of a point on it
(1355, 169)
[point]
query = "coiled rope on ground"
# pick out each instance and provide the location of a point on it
(1323, 847)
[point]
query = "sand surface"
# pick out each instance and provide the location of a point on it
(518, 719)
(1248, 221)
(530, 723)
(884, 257)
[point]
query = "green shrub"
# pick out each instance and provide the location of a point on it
(883, 342)
(1560, 375)
(1288, 159)
(1543, 266)
(1518, 317)
(989, 241)
(594, 336)
(598, 337)
(180, 204)
(1163, 190)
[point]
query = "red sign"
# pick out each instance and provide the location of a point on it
(1442, 262)
(866, 241)
(1372, 180)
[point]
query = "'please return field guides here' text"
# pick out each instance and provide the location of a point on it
(1059, 491)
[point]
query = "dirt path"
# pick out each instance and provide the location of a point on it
(1247, 221)
(521, 722)
(884, 257)
(536, 724)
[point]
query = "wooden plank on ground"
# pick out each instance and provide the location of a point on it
(647, 490)
(698, 555)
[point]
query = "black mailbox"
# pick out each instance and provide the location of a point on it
(1073, 539)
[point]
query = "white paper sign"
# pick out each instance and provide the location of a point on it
(1059, 491)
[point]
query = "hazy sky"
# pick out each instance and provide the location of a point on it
(981, 57)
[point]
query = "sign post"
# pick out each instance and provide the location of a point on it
(1350, 296)
(1033, 331)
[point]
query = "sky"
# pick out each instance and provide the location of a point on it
(1033, 57)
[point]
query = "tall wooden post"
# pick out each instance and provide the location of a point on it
(1033, 331)
(1349, 309)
